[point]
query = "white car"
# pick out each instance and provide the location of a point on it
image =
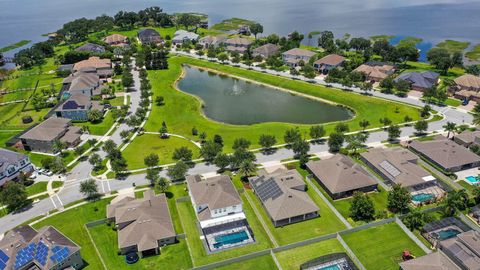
(32, 176)
(48, 173)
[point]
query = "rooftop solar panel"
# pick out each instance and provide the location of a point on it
(389, 168)
(267, 189)
(3, 257)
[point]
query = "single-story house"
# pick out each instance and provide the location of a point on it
(41, 137)
(329, 62)
(266, 50)
(182, 36)
(143, 225)
(340, 176)
(12, 164)
(240, 45)
(433, 261)
(293, 57)
(46, 249)
(77, 106)
(284, 197)
(468, 138)
(467, 95)
(94, 64)
(91, 48)
(149, 36)
(116, 40)
(214, 41)
(464, 249)
(420, 81)
(446, 154)
(468, 82)
(376, 71)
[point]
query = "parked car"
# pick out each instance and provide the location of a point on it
(48, 173)
(32, 176)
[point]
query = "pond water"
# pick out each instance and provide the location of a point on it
(240, 102)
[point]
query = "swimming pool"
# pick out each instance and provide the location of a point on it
(447, 234)
(331, 267)
(422, 197)
(231, 238)
(472, 179)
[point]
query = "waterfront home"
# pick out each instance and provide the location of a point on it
(433, 261)
(446, 154)
(143, 225)
(77, 107)
(210, 41)
(46, 249)
(468, 138)
(468, 82)
(91, 48)
(375, 71)
(182, 36)
(420, 81)
(238, 44)
(293, 57)
(116, 40)
(149, 36)
(12, 165)
(329, 62)
(94, 64)
(284, 197)
(340, 176)
(81, 83)
(400, 166)
(41, 137)
(266, 50)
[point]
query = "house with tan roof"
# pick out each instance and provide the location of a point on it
(284, 197)
(293, 57)
(329, 62)
(238, 44)
(103, 67)
(468, 82)
(340, 176)
(41, 137)
(116, 40)
(82, 83)
(143, 225)
(468, 138)
(375, 71)
(433, 261)
(214, 41)
(446, 154)
(266, 50)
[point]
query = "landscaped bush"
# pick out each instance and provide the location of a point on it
(27, 119)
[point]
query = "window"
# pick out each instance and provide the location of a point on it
(11, 170)
(22, 162)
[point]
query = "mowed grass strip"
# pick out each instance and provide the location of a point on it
(99, 128)
(152, 144)
(182, 112)
(264, 262)
(292, 259)
(381, 247)
(198, 252)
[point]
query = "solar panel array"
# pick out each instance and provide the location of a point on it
(387, 166)
(59, 254)
(25, 255)
(42, 252)
(267, 189)
(3, 260)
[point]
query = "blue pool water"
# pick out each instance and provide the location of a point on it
(472, 179)
(422, 197)
(230, 238)
(331, 267)
(447, 234)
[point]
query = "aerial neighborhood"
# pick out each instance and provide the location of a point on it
(150, 140)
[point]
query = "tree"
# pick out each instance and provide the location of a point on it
(300, 148)
(95, 160)
(163, 132)
(162, 184)
(109, 146)
(402, 87)
(218, 139)
(222, 161)
(292, 135)
(456, 200)
(387, 84)
(317, 132)
(450, 127)
(58, 166)
(326, 41)
(222, 57)
(202, 136)
(335, 142)
(194, 131)
(89, 189)
(247, 168)
(152, 176)
(177, 171)
(385, 121)
(95, 116)
(364, 124)
(425, 112)
(151, 160)
(407, 118)
(362, 207)
(476, 193)
(58, 146)
(421, 126)
(188, 20)
(441, 59)
(393, 132)
(124, 134)
(241, 143)
(209, 150)
(239, 156)
(14, 196)
(256, 29)
(398, 199)
(354, 142)
(183, 153)
(267, 141)
(160, 100)
(414, 220)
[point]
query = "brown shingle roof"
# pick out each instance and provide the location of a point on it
(299, 52)
(48, 130)
(81, 81)
(94, 62)
(433, 261)
(340, 174)
(267, 49)
(238, 42)
(115, 38)
(468, 81)
(331, 60)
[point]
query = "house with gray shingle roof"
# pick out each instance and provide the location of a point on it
(91, 48)
(143, 225)
(77, 107)
(464, 249)
(420, 81)
(12, 164)
(293, 57)
(284, 197)
(340, 176)
(238, 44)
(214, 41)
(468, 138)
(266, 50)
(182, 36)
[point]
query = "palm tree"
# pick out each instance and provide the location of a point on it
(354, 142)
(450, 127)
(476, 119)
(247, 168)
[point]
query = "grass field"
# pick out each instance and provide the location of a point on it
(5, 135)
(197, 249)
(40, 187)
(231, 24)
(14, 46)
(181, 112)
(474, 54)
(152, 143)
(420, 66)
(99, 128)
(453, 46)
(292, 259)
(381, 247)
(264, 262)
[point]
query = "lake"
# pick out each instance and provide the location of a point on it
(239, 102)
(432, 20)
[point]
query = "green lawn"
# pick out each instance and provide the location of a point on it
(117, 101)
(264, 262)
(40, 187)
(5, 136)
(15, 120)
(292, 259)
(453, 102)
(474, 54)
(152, 143)
(381, 247)
(231, 24)
(99, 128)
(14, 46)
(200, 257)
(409, 41)
(453, 46)
(182, 112)
(465, 185)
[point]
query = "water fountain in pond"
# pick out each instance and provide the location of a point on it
(236, 90)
